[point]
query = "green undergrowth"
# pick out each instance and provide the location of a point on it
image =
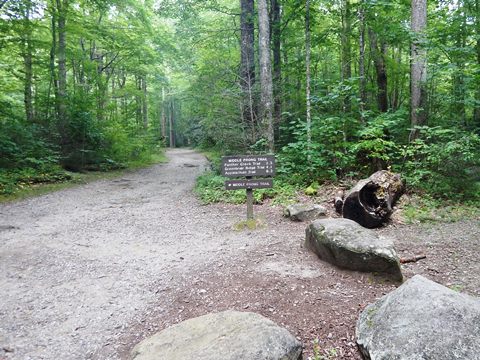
(424, 209)
(18, 184)
(210, 188)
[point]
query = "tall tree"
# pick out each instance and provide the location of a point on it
(361, 59)
(27, 54)
(277, 62)
(379, 52)
(476, 111)
(418, 71)
(346, 49)
(265, 74)
(247, 64)
(308, 75)
(62, 9)
(163, 119)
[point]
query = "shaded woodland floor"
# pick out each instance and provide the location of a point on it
(88, 272)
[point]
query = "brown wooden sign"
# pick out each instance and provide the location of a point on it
(248, 165)
(249, 184)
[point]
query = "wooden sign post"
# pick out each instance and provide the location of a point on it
(249, 166)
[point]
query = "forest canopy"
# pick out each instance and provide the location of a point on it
(334, 88)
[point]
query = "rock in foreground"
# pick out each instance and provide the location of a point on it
(421, 320)
(344, 243)
(227, 335)
(302, 212)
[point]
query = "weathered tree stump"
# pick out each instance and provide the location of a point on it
(370, 202)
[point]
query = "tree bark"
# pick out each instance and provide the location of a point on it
(307, 71)
(361, 61)
(459, 110)
(265, 74)
(418, 71)
(277, 64)
(163, 119)
(370, 202)
(172, 123)
(62, 10)
(346, 50)
(379, 53)
(144, 102)
(476, 111)
(138, 100)
(53, 52)
(247, 65)
(27, 49)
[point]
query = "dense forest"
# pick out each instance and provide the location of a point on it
(336, 89)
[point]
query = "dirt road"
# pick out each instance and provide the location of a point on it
(87, 272)
(76, 266)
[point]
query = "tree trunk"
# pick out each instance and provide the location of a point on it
(265, 74)
(53, 51)
(459, 110)
(361, 61)
(62, 10)
(346, 50)
(247, 65)
(370, 202)
(138, 100)
(380, 69)
(172, 123)
(307, 86)
(163, 119)
(277, 65)
(476, 111)
(143, 79)
(418, 71)
(27, 49)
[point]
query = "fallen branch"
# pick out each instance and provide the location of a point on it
(412, 259)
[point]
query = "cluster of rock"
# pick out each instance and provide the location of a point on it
(419, 320)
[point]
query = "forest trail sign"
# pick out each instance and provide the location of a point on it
(249, 184)
(249, 166)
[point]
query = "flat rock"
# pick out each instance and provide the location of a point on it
(346, 244)
(421, 320)
(304, 212)
(226, 335)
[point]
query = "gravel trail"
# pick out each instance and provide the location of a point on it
(88, 272)
(76, 266)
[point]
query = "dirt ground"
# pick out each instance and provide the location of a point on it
(86, 273)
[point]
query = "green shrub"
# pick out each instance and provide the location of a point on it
(210, 188)
(443, 163)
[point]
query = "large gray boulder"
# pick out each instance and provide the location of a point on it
(226, 335)
(346, 244)
(304, 212)
(421, 320)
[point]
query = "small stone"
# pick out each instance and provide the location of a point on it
(303, 212)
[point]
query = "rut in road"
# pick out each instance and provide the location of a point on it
(76, 266)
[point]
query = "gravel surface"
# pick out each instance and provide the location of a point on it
(88, 272)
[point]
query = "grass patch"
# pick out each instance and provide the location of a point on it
(251, 224)
(25, 183)
(210, 188)
(423, 209)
